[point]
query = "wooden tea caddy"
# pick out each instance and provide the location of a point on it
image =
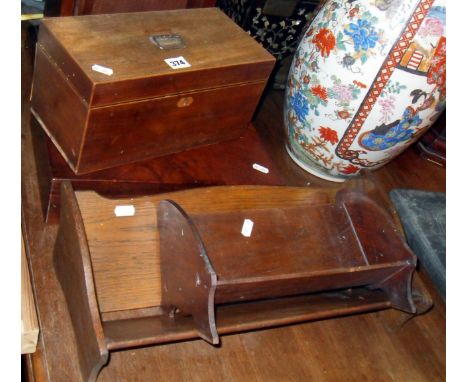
(110, 90)
(179, 267)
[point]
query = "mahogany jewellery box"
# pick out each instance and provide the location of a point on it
(120, 88)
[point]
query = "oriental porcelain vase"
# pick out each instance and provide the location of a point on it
(367, 80)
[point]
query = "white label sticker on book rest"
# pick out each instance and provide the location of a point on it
(177, 62)
(124, 210)
(247, 227)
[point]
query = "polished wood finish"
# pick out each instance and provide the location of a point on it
(235, 318)
(58, 105)
(145, 108)
(292, 251)
(188, 280)
(79, 7)
(219, 51)
(29, 324)
(92, 7)
(352, 348)
(74, 270)
(202, 263)
(154, 128)
(210, 165)
(123, 283)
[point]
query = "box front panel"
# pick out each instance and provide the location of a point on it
(136, 89)
(135, 131)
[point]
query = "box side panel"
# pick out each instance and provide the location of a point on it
(49, 43)
(58, 108)
(135, 131)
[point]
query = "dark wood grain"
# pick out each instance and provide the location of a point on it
(79, 7)
(89, 7)
(235, 318)
(187, 283)
(293, 250)
(106, 94)
(146, 129)
(219, 51)
(374, 228)
(188, 280)
(74, 270)
(123, 283)
(200, 3)
(54, 104)
(210, 165)
(62, 64)
(409, 353)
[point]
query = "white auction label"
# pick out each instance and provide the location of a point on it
(247, 227)
(260, 168)
(102, 69)
(124, 210)
(177, 62)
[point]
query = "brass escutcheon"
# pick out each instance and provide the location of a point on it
(168, 41)
(185, 101)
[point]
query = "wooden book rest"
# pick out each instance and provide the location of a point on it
(180, 267)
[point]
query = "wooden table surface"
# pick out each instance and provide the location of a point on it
(353, 348)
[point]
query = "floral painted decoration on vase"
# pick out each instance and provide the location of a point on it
(367, 80)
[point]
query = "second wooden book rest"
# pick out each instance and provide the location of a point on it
(180, 266)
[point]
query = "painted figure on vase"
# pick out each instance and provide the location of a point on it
(388, 135)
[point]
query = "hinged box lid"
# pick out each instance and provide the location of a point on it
(130, 56)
